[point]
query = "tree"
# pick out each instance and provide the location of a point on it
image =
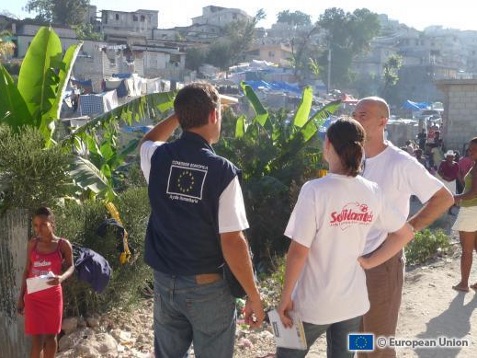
(86, 32)
(240, 36)
(302, 53)
(6, 45)
(348, 35)
(296, 18)
(219, 55)
(35, 101)
(65, 12)
(390, 73)
(274, 151)
(195, 57)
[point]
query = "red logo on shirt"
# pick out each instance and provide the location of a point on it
(41, 263)
(352, 213)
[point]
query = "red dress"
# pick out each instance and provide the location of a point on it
(44, 309)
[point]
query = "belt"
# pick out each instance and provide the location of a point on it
(206, 278)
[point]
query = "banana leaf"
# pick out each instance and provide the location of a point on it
(240, 127)
(261, 112)
(303, 111)
(63, 78)
(38, 78)
(98, 178)
(133, 111)
(299, 139)
(87, 176)
(13, 108)
(313, 124)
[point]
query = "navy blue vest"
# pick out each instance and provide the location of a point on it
(185, 184)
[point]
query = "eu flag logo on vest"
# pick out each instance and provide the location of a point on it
(361, 342)
(186, 181)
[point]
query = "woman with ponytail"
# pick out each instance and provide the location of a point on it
(325, 282)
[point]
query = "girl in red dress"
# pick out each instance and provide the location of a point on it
(50, 255)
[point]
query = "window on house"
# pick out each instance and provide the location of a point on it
(117, 16)
(143, 18)
(135, 18)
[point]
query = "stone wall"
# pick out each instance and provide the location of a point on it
(460, 112)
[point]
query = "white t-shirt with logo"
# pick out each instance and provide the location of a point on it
(399, 176)
(332, 217)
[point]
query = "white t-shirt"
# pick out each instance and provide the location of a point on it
(333, 217)
(399, 176)
(232, 216)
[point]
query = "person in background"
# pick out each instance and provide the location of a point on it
(196, 223)
(47, 254)
(422, 138)
(431, 165)
(409, 147)
(437, 155)
(459, 185)
(465, 164)
(466, 222)
(437, 140)
(419, 157)
(456, 156)
(403, 176)
(448, 171)
(325, 285)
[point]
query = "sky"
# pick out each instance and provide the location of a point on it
(418, 14)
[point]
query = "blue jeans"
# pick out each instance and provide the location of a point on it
(186, 312)
(336, 339)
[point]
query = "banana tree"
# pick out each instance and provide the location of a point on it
(99, 138)
(277, 152)
(275, 137)
(35, 101)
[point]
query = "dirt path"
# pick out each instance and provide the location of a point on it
(431, 309)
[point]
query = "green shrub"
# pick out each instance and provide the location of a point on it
(30, 174)
(79, 223)
(275, 161)
(426, 245)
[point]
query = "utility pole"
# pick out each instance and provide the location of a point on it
(329, 70)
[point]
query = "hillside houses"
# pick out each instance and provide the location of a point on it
(150, 50)
(135, 42)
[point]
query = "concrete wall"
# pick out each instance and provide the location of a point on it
(460, 112)
(13, 243)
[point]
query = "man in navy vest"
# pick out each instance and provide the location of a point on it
(196, 222)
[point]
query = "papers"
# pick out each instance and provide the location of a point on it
(293, 337)
(39, 283)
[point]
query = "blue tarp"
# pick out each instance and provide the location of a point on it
(274, 86)
(132, 129)
(415, 106)
(121, 75)
(83, 83)
(324, 127)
